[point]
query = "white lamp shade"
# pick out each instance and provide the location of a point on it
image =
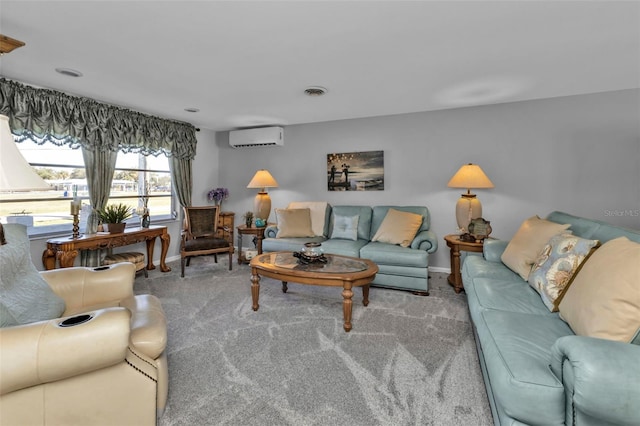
(470, 176)
(263, 179)
(15, 172)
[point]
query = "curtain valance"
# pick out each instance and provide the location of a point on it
(48, 115)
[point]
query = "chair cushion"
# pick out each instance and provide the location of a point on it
(26, 297)
(130, 256)
(205, 244)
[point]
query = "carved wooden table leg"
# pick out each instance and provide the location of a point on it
(165, 239)
(255, 289)
(66, 258)
(347, 304)
(49, 259)
(150, 246)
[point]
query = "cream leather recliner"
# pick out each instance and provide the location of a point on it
(102, 362)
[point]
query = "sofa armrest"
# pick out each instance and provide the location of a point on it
(148, 324)
(271, 231)
(80, 287)
(43, 352)
(492, 249)
(425, 240)
(600, 377)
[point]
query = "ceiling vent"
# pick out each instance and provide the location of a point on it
(256, 138)
(315, 91)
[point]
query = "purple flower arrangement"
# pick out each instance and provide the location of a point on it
(218, 194)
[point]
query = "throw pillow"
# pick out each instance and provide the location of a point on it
(557, 264)
(318, 211)
(604, 299)
(293, 223)
(398, 227)
(522, 251)
(345, 227)
(26, 297)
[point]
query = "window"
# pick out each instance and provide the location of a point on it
(63, 168)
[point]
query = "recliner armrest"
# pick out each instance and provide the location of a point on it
(148, 324)
(44, 352)
(601, 378)
(81, 287)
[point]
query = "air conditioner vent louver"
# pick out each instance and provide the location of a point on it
(256, 138)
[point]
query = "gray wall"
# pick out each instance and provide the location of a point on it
(579, 154)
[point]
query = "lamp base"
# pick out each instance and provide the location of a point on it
(262, 206)
(468, 207)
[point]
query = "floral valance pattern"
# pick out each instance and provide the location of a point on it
(47, 115)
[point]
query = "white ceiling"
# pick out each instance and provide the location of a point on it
(245, 64)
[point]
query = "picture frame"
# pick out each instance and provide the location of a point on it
(479, 228)
(355, 171)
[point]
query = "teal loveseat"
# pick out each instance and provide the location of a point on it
(536, 370)
(403, 268)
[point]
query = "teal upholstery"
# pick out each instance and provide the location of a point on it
(399, 267)
(26, 297)
(536, 370)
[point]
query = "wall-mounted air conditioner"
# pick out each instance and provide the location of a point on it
(258, 137)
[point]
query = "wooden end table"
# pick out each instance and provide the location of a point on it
(258, 234)
(456, 246)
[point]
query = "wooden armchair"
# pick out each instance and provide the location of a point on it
(199, 237)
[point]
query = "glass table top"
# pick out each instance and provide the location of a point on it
(335, 264)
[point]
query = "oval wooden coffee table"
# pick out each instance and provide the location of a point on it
(339, 271)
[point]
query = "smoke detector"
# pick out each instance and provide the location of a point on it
(69, 72)
(315, 91)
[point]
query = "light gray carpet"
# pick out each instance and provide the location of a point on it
(409, 360)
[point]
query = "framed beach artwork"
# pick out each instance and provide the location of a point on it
(355, 171)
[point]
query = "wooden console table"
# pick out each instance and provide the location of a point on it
(64, 250)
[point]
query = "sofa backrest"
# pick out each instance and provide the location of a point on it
(379, 213)
(364, 220)
(594, 229)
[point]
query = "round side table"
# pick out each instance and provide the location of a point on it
(456, 246)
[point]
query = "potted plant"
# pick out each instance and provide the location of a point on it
(114, 216)
(248, 219)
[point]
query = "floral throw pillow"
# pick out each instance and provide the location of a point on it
(557, 264)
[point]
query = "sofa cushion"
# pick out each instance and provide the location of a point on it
(344, 227)
(294, 223)
(398, 227)
(504, 295)
(391, 254)
(343, 247)
(556, 266)
(517, 354)
(26, 297)
(523, 249)
(604, 299)
(318, 211)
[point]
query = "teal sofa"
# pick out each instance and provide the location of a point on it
(403, 268)
(536, 370)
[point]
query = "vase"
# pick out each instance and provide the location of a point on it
(146, 219)
(247, 222)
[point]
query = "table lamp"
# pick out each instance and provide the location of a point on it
(468, 206)
(262, 204)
